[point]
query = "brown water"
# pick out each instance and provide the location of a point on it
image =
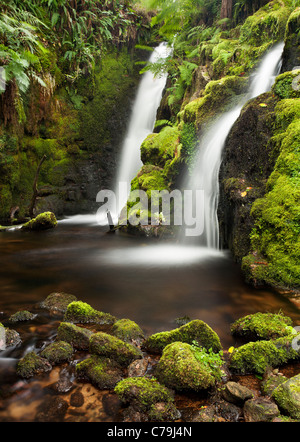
(147, 281)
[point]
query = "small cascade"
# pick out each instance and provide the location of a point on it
(205, 173)
(141, 124)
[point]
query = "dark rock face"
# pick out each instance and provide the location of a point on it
(291, 53)
(246, 165)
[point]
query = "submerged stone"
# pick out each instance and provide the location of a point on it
(262, 326)
(195, 331)
(31, 365)
(78, 337)
(185, 367)
(43, 221)
(102, 372)
(109, 346)
(82, 313)
(58, 352)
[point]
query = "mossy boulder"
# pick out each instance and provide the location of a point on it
(57, 352)
(21, 316)
(195, 331)
(9, 337)
(80, 312)
(287, 85)
(102, 372)
(128, 331)
(262, 326)
(78, 337)
(103, 344)
(43, 221)
(287, 396)
(156, 149)
(58, 302)
(144, 394)
(186, 368)
(260, 410)
(32, 364)
(257, 357)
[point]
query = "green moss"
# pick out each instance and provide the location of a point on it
(182, 368)
(262, 326)
(158, 148)
(143, 393)
(287, 396)
(127, 330)
(6, 201)
(78, 337)
(102, 372)
(31, 365)
(82, 313)
(58, 352)
(257, 357)
(109, 346)
(43, 221)
(287, 85)
(194, 331)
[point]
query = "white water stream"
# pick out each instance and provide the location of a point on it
(205, 172)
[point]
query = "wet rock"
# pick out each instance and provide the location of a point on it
(103, 344)
(80, 312)
(205, 414)
(102, 372)
(64, 383)
(163, 412)
(236, 393)
(287, 396)
(138, 368)
(43, 221)
(58, 352)
(78, 337)
(58, 302)
(194, 331)
(21, 316)
(272, 381)
(53, 409)
(76, 399)
(31, 365)
(260, 410)
(12, 337)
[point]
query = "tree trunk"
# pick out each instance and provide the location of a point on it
(226, 9)
(35, 189)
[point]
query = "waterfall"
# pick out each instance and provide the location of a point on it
(205, 172)
(141, 124)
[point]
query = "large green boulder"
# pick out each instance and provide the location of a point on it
(43, 221)
(287, 396)
(188, 368)
(194, 332)
(80, 312)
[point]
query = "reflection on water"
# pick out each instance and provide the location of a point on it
(149, 282)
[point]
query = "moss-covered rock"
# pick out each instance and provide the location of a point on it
(257, 357)
(43, 221)
(58, 302)
(156, 149)
(9, 337)
(82, 313)
(143, 393)
(21, 316)
(78, 337)
(103, 344)
(187, 368)
(31, 365)
(262, 326)
(100, 371)
(128, 331)
(260, 410)
(57, 352)
(195, 331)
(287, 396)
(291, 52)
(287, 85)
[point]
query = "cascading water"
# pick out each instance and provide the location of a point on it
(206, 167)
(141, 124)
